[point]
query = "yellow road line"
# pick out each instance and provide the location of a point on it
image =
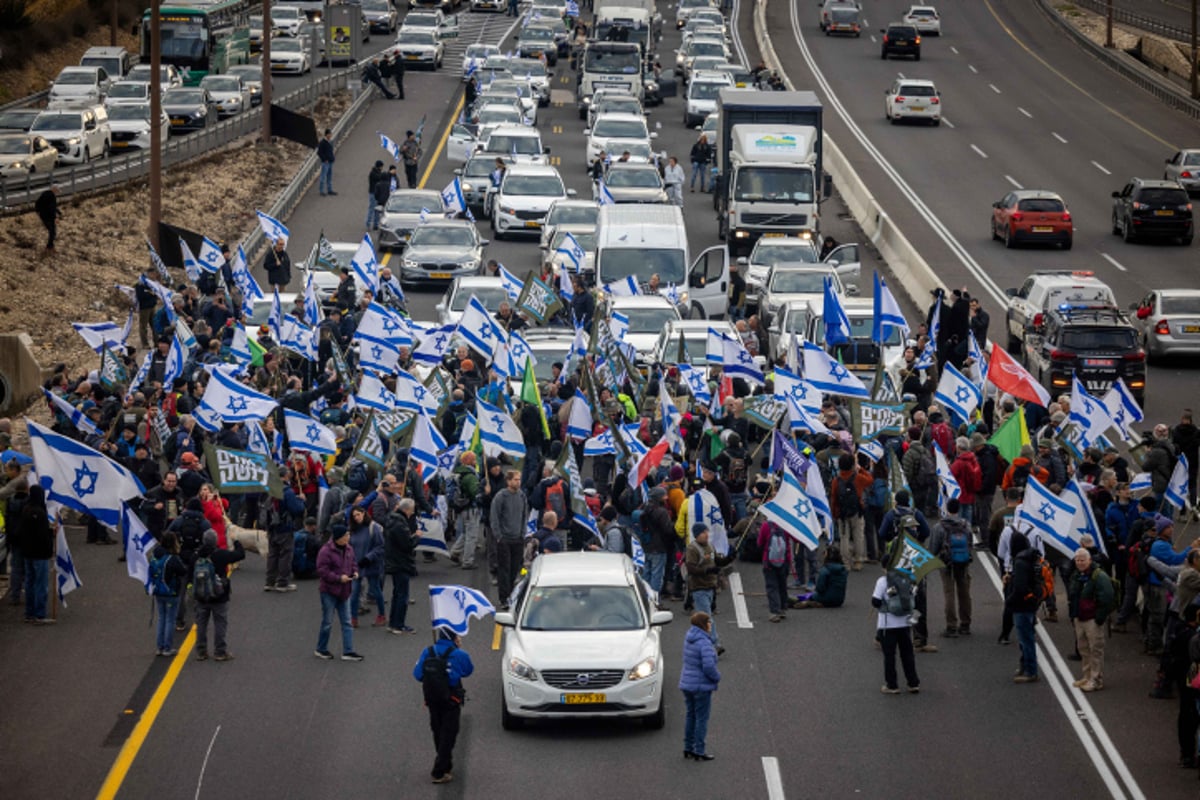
(129, 751)
(1073, 84)
(496, 637)
(437, 153)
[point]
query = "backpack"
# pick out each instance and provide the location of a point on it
(926, 477)
(736, 472)
(191, 532)
(302, 562)
(1043, 579)
(207, 585)
(270, 515)
(900, 599)
(957, 549)
(357, 478)
(877, 493)
(1020, 476)
(777, 548)
(556, 499)
(456, 498)
(158, 577)
(435, 678)
(641, 525)
(849, 503)
(1139, 560)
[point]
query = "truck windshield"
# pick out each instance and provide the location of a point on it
(612, 62)
(621, 262)
(774, 184)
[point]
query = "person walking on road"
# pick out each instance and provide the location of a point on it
(47, 210)
(326, 156)
(509, 511)
(213, 606)
(440, 670)
(703, 566)
(701, 155)
(278, 265)
(895, 600)
(410, 153)
(698, 679)
(673, 178)
(400, 536)
(776, 549)
(373, 177)
(337, 569)
(1023, 594)
(1091, 599)
(468, 523)
(168, 576)
(951, 542)
(398, 75)
(35, 538)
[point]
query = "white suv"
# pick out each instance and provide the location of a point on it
(520, 204)
(583, 641)
(913, 99)
(79, 134)
(1047, 289)
(78, 86)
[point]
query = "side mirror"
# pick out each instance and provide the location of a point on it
(835, 263)
(440, 307)
(743, 261)
(484, 242)
(505, 619)
(656, 618)
(458, 172)
(852, 290)
(546, 150)
(1011, 292)
(571, 193)
(653, 134)
(696, 280)
(1168, 161)
(1116, 194)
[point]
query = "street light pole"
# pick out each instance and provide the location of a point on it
(1195, 65)
(1108, 19)
(155, 121)
(266, 72)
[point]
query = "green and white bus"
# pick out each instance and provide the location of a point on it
(201, 38)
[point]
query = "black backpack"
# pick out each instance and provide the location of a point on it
(900, 599)
(207, 584)
(1020, 476)
(456, 498)
(849, 503)
(191, 532)
(435, 678)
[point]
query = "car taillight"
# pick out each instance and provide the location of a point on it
(1140, 355)
(1137, 384)
(1017, 216)
(885, 38)
(1139, 206)
(899, 98)
(1185, 174)
(1066, 216)
(934, 101)
(1162, 328)
(917, 40)
(1038, 320)
(1062, 355)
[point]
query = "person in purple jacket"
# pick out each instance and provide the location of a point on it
(337, 568)
(698, 680)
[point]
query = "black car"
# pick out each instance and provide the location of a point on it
(1146, 208)
(901, 40)
(1095, 342)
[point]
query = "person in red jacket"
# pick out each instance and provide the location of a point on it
(213, 506)
(967, 472)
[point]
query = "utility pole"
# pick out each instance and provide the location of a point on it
(112, 25)
(1108, 19)
(155, 120)
(1195, 65)
(266, 71)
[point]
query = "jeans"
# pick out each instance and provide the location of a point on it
(699, 171)
(325, 182)
(329, 604)
(467, 525)
(652, 573)
(739, 500)
(444, 721)
(16, 575)
(399, 613)
(37, 585)
(1025, 622)
(510, 554)
(956, 586)
(374, 590)
(164, 626)
(807, 566)
(695, 726)
(776, 580)
(372, 212)
(702, 600)
(220, 617)
(899, 639)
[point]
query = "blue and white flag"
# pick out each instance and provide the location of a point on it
(365, 265)
(372, 393)
(376, 354)
(66, 577)
(479, 329)
(139, 543)
(572, 8)
(185, 335)
(210, 257)
(736, 362)
(790, 385)
(79, 477)
(312, 307)
(957, 393)
(239, 345)
(1177, 489)
(190, 264)
(427, 442)
(390, 145)
(520, 352)
(242, 278)
(1050, 517)
(872, 449)
(382, 323)
(412, 395)
(272, 228)
(512, 286)
(887, 313)
(618, 323)
(793, 511)
(1122, 407)
(815, 487)
(431, 536)
(206, 418)
(626, 287)
(256, 440)
(829, 376)
(233, 401)
(704, 507)
(804, 420)
(452, 197)
(639, 555)
(433, 345)
(603, 195)
(497, 431)
(1141, 482)
(453, 606)
(173, 368)
(601, 444)
(579, 424)
(298, 337)
(573, 250)
(974, 351)
(714, 349)
(693, 379)
(1089, 414)
(837, 324)
(947, 483)
(306, 434)
(162, 292)
(77, 417)
(140, 377)
(1084, 521)
(565, 287)
(275, 316)
(928, 355)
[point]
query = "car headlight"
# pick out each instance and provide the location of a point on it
(512, 212)
(74, 140)
(683, 298)
(17, 165)
(519, 669)
(410, 263)
(466, 187)
(757, 273)
(645, 668)
(471, 263)
(198, 114)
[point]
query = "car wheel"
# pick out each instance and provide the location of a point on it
(937, 123)
(883, 55)
(1009, 241)
(1127, 233)
(992, 225)
(1066, 245)
(1116, 228)
(658, 719)
(107, 150)
(917, 57)
(507, 721)
(1185, 241)
(696, 311)
(895, 119)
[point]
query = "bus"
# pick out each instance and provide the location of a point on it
(201, 38)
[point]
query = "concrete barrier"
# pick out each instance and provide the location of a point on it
(21, 375)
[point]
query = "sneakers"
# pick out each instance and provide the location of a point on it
(1079, 684)
(1051, 616)
(408, 630)
(201, 655)
(351, 656)
(964, 630)
(179, 626)
(223, 657)
(325, 655)
(1091, 687)
(889, 690)
(775, 617)
(950, 633)
(168, 652)
(914, 690)
(270, 587)
(285, 587)
(925, 647)
(354, 622)
(444, 778)
(1004, 640)
(1023, 678)
(380, 621)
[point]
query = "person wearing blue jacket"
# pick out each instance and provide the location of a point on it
(366, 537)
(444, 717)
(1156, 593)
(698, 680)
(1118, 520)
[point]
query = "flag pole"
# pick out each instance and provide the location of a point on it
(53, 587)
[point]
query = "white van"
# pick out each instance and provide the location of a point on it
(643, 240)
(116, 61)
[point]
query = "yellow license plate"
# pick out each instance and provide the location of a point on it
(584, 699)
(176, 122)
(901, 41)
(440, 275)
(1162, 212)
(412, 58)
(533, 224)
(1190, 329)
(120, 144)
(774, 235)
(918, 108)
(1042, 229)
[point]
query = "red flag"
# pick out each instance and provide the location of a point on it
(649, 461)
(1008, 376)
(725, 390)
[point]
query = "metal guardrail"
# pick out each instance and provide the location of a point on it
(1128, 67)
(26, 101)
(1135, 20)
(16, 194)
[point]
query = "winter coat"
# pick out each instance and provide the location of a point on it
(35, 534)
(1118, 519)
(700, 561)
(1037, 473)
(657, 520)
(699, 671)
(1023, 581)
(509, 513)
(278, 267)
(831, 585)
(1160, 463)
(1094, 587)
(399, 545)
(332, 563)
(367, 541)
(966, 471)
(862, 481)
(221, 560)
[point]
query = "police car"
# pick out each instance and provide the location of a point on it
(1094, 341)
(1049, 289)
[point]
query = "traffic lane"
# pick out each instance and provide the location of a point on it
(1177, 13)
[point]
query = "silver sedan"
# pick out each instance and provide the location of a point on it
(1184, 167)
(1169, 320)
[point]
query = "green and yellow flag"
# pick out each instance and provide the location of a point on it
(257, 351)
(530, 394)
(1010, 437)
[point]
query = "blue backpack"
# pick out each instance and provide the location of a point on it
(158, 578)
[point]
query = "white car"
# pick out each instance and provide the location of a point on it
(533, 72)
(490, 291)
(168, 76)
(686, 8)
(583, 641)
(130, 126)
(909, 98)
(648, 315)
(638, 149)
(554, 250)
(516, 145)
(22, 154)
(695, 340)
(80, 135)
(475, 56)
(701, 97)
(127, 92)
(569, 212)
(228, 92)
(608, 101)
(489, 5)
(520, 204)
(291, 56)
(76, 87)
(381, 15)
(529, 98)
(627, 182)
(497, 115)
(772, 251)
(419, 47)
(403, 212)
(614, 126)
(287, 20)
(925, 19)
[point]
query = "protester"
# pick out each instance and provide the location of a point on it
(410, 154)
(400, 542)
(894, 600)
(703, 566)
(337, 568)
(830, 589)
(326, 156)
(212, 586)
(1090, 599)
(951, 542)
(49, 213)
(168, 576)
(440, 670)
(35, 539)
(698, 679)
(1023, 595)
(776, 548)
(366, 540)
(278, 265)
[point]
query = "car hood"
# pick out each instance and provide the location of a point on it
(6, 159)
(136, 125)
(286, 55)
(439, 253)
(643, 343)
(636, 194)
(527, 202)
(183, 108)
(403, 219)
(583, 649)
(223, 96)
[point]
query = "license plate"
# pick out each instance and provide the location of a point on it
(901, 41)
(1162, 212)
(533, 224)
(412, 58)
(917, 108)
(774, 235)
(1043, 229)
(440, 275)
(176, 122)
(120, 144)
(1098, 362)
(577, 699)
(1190, 329)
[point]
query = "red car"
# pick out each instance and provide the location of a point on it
(1032, 215)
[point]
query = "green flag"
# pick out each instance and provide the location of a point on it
(256, 352)
(907, 555)
(531, 395)
(1011, 436)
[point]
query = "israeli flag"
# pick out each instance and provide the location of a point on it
(391, 286)
(1141, 482)
(618, 323)
(453, 606)
(99, 335)
(950, 489)
(364, 264)
(815, 488)
(498, 432)
(377, 354)
(427, 442)
(433, 345)
(974, 351)
(565, 287)
(233, 401)
(140, 377)
(77, 417)
(1084, 521)
(185, 335)
(306, 434)
(512, 286)
(573, 250)
(206, 418)
(872, 449)
(639, 555)
(256, 440)
(139, 544)
(603, 195)
(579, 424)
(1048, 514)
(793, 511)
(190, 265)
(829, 376)
(837, 324)
(452, 197)
(956, 392)
(802, 419)
(239, 345)
(275, 317)
(736, 362)
(1177, 490)
(412, 395)
(572, 8)
(479, 329)
(380, 322)
(693, 379)
(671, 293)
(714, 349)
(164, 294)
(272, 228)
(79, 477)
(520, 352)
(391, 146)
(174, 365)
(626, 287)
(928, 355)
(312, 307)
(66, 576)
(1121, 406)
(790, 385)
(210, 258)
(1089, 414)
(244, 281)
(600, 445)
(373, 394)
(887, 313)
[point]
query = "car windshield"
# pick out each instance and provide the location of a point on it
(1191, 160)
(620, 128)
(405, 203)
(777, 184)
(220, 84)
(138, 111)
(696, 345)
(582, 608)
(844, 15)
(286, 46)
(649, 320)
(705, 48)
(917, 90)
(442, 236)
(1099, 339)
(521, 145)
(621, 262)
(14, 145)
(528, 69)
(519, 88)
(247, 72)
(634, 178)
(478, 168)
(76, 79)
(144, 74)
(901, 33)
(421, 20)
(128, 90)
(490, 296)
(480, 51)
(695, 4)
(499, 115)
(770, 254)
(533, 185)
(184, 97)
(376, 5)
(1047, 205)
(922, 11)
(706, 90)
(620, 105)
(415, 37)
(1079, 294)
(1163, 197)
(59, 122)
(1180, 304)
(573, 215)
(19, 119)
(537, 35)
(610, 62)
(586, 240)
(796, 322)
(860, 329)
(806, 282)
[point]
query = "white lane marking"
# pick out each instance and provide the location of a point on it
(737, 37)
(954, 49)
(947, 123)
(1101, 168)
(900, 75)
(1056, 136)
(774, 779)
(204, 766)
(1023, 111)
(1013, 181)
(992, 86)
(1113, 261)
(977, 150)
(972, 68)
(872, 38)
(739, 601)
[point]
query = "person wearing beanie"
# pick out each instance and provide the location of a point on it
(676, 497)
(990, 472)
(610, 532)
(337, 569)
(703, 568)
(1156, 591)
(217, 608)
(1049, 459)
(445, 713)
